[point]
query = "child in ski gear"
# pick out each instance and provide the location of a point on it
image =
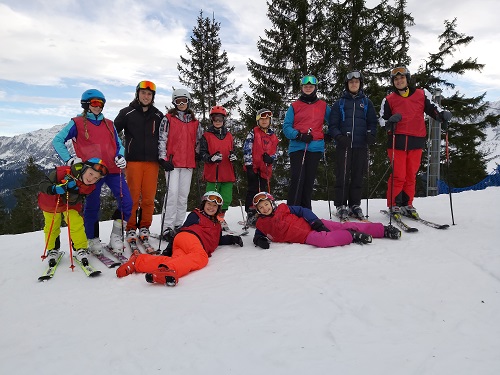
(353, 125)
(402, 114)
(303, 126)
(140, 121)
(217, 153)
(93, 135)
(193, 244)
(63, 192)
(259, 154)
(180, 133)
(296, 224)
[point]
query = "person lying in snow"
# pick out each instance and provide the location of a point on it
(296, 224)
(191, 246)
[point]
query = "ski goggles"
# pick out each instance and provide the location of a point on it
(352, 75)
(215, 199)
(147, 85)
(96, 103)
(264, 115)
(259, 197)
(399, 70)
(100, 168)
(309, 80)
(181, 101)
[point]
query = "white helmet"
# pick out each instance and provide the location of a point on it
(180, 93)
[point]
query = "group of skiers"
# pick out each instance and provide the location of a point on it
(176, 141)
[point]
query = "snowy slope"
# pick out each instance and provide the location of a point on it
(426, 304)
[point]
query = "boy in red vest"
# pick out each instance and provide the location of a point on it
(259, 154)
(75, 182)
(296, 224)
(193, 244)
(217, 151)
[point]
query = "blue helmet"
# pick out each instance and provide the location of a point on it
(91, 94)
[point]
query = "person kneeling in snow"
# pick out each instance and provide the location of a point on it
(296, 224)
(191, 247)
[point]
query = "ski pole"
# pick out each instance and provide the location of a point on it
(392, 174)
(301, 168)
(50, 230)
(72, 265)
(345, 171)
(239, 200)
(121, 208)
(448, 171)
(327, 186)
(367, 178)
(164, 206)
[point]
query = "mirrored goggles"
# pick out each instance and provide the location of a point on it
(399, 70)
(181, 101)
(100, 168)
(215, 199)
(309, 80)
(96, 103)
(264, 115)
(261, 197)
(352, 75)
(147, 85)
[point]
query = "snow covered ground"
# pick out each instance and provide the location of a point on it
(426, 304)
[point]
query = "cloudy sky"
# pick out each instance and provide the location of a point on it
(53, 51)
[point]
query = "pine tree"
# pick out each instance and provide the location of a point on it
(206, 71)
(467, 129)
(26, 216)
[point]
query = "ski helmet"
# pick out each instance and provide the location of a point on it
(354, 74)
(262, 196)
(97, 165)
(91, 94)
(264, 113)
(145, 85)
(180, 93)
(212, 196)
(218, 110)
(402, 71)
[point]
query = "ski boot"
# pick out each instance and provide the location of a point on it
(163, 275)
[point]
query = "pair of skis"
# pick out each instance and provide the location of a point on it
(398, 218)
(51, 270)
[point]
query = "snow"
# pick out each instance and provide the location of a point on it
(428, 303)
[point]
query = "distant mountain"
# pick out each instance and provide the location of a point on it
(492, 143)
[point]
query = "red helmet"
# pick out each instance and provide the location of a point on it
(218, 110)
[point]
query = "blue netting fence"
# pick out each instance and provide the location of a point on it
(492, 180)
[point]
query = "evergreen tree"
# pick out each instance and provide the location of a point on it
(206, 71)
(26, 216)
(467, 129)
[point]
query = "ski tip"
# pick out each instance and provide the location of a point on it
(94, 273)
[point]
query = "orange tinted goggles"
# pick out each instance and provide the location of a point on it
(215, 199)
(261, 197)
(96, 103)
(100, 168)
(180, 101)
(147, 85)
(399, 70)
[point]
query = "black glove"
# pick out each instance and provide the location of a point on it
(328, 138)
(370, 139)
(390, 124)
(261, 241)
(216, 157)
(237, 241)
(318, 226)
(446, 116)
(167, 165)
(343, 140)
(267, 159)
(304, 137)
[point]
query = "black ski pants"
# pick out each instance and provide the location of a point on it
(300, 191)
(350, 167)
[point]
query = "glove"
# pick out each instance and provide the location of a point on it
(446, 116)
(70, 184)
(261, 241)
(267, 159)
(216, 158)
(58, 189)
(237, 241)
(390, 124)
(304, 137)
(166, 165)
(74, 160)
(328, 138)
(120, 162)
(232, 157)
(370, 139)
(318, 226)
(343, 140)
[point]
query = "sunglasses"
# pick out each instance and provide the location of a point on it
(215, 199)
(261, 197)
(100, 168)
(96, 103)
(352, 75)
(399, 70)
(147, 85)
(180, 101)
(264, 115)
(309, 80)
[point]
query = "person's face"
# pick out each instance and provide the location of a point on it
(145, 97)
(308, 89)
(265, 207)
(264, 122)
(400, 82)
(210, 208)
(90, 177)
(181, 103)
(96, 106)
(353, 85)
(218, 121)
